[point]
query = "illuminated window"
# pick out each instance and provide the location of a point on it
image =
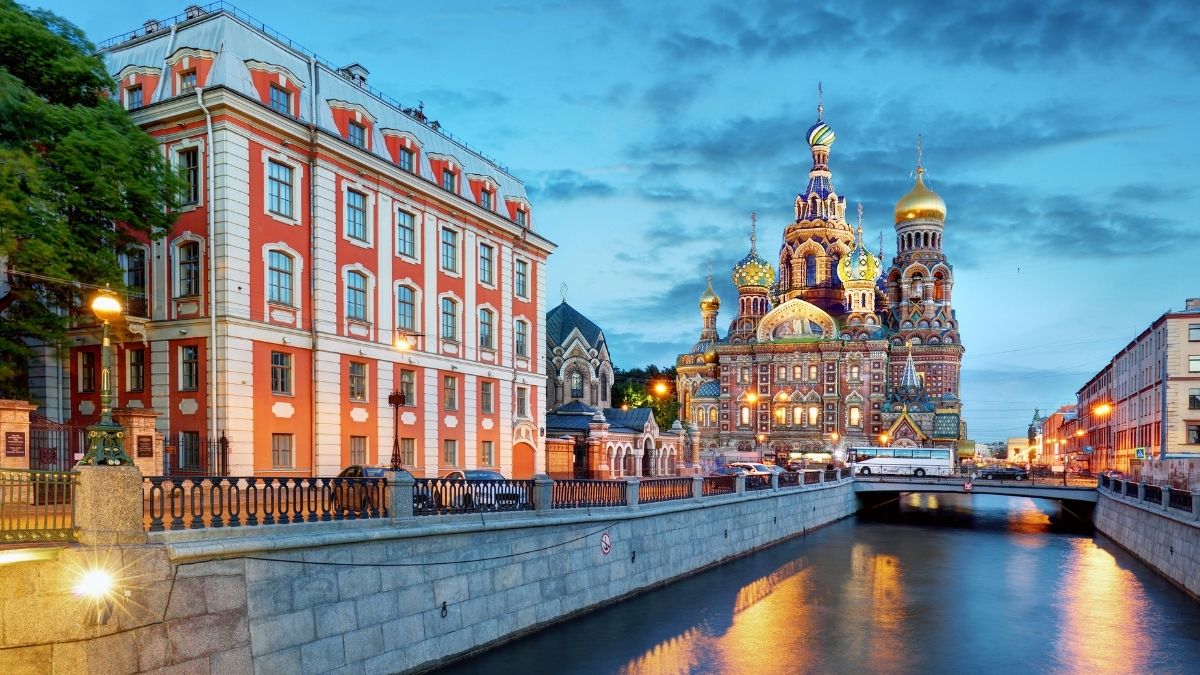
(487, 454)
(358, 383)
(855, 416)
(812, 372)
(813, 415)
(712, 416)
(745, 416)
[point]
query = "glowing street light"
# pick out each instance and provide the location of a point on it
(883, 438)
(1102, 409)
(106, 437)
(661, 388)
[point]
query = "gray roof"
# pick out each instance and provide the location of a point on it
(561, 320)
(634, 419)
(575, 408)
(556, 422)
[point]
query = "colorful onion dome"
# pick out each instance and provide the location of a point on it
(821, 134)
(709, 302)
(753, 270)
(859, 264)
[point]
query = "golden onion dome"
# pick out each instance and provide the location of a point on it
(920, 202)
(710, 356)
(709, 302)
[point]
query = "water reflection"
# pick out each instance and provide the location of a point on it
(926, 583)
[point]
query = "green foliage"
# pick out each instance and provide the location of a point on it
(636, 388)
(79, 181)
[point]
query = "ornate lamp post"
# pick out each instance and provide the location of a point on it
(396, 399)
(106, 437)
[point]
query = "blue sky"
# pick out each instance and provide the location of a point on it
(1062, 135)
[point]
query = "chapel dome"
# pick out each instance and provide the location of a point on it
(920, 202)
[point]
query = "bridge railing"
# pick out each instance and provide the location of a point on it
(664, 489)
(1180, 500)
(433, 496)
(37, 506)
(575, 494)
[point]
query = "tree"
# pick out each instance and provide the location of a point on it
(640, 387)
(79, 182)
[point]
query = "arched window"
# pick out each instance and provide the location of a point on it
(855, 416)
(814, 413)
(603, 386)
(745, 419)
(189, 269)
(576, 385)
(712, 416)
(812, 372)
(810, 270)
(798, 414)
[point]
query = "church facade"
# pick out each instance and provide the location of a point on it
(828, 348)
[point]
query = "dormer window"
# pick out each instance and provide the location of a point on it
(133, 97)
(406, 158)
(485, 199)
(281, 100)
(448, 180)
(357, 134)
(521, 218)
(187, 82)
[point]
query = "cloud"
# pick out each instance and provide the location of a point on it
(461, 99)
(566, 185)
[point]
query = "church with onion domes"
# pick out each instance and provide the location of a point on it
(831, 347)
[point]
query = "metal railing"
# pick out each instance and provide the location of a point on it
(175, 503)
(831, 475)
(1180, 500)
(1105, 482)
(812, 477)
(758, 482)
(433, 496)
(37, 506)
(789, 479)
(1131, 489)
(719, 485)
(576, 494)
(1150, 493)
(652, 490)
(847, 472)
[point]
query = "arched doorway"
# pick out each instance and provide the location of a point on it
(648, 458)
(524, 464)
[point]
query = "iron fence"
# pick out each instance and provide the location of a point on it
(433, 496)
(789, 479)
(831, 475)
(1150, 493)
(664, 490)
(1180, 500)
(576, 494)
(1131, 489)
(175, 503)
(812, 477)
(719, 485)
(758, 482)
(36, 506)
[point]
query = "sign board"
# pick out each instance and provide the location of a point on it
(968, 486)
(605, 544)
(145, 446)
(14, 444)
(1057, 468)
(1139, 453)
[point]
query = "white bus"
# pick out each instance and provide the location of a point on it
(908, 461)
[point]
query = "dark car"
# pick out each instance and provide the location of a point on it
(727, 471)
(478, 490)
(1003, 473)
(358, 490)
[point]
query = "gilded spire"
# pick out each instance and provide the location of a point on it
(920, 202)
(860, 222)
(709, 302)
(753, 228)
(920, 166)
(820, 103)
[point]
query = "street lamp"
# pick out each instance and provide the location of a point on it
(396, 399)
(106, 437)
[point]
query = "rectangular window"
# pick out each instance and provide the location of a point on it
(406, 234)
(189, 368)
(1193, 434)
(406, 308)
(187, 82)
(797, 372)
(133, 97)
(279, 188)
(1194, 332)
(356, 215)
(448, 180)
(358, 450)
(189, 449)
(449, 250)
(87, 371)
(1194, 364)
(137, 369)
(450, 452)
(855, 416)
(485, 329)
(281, 373)
(450, 392)
(356, 296)
(408, 451)
(854, 372)
(485, 398)
(522, 338)
(135, 269)
(281, 100)
(189, 171)
(485, 199)
(358, 383)
(279, 278)
(812, 373)
(522, 402)
(486, 264)
(1194, 399)
(813, 415)
(449, 319)
(406, 159)
(189, 269)
(487, 453)
(281, 451)
(357, 134)
(521, 218)
(522, 281)
(408, 387)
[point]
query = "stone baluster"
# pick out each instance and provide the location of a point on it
(400, 494)
(543, 493)
(697, 487)
(739, 483)
(631, 491)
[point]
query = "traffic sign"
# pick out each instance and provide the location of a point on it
(605, 543)
(968, 486)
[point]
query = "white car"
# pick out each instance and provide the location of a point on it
(753, 468)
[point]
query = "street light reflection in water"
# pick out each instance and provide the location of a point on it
(945, 584)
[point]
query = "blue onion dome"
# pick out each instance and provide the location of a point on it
(859, 264)
(753, 270)
(821, 134)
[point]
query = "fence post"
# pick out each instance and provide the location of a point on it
(543, 493)
(400, 494)
(821, 476)
(631, 492)
(775, 481)
(698, 487)
(1141, 492)
(1165, 497)
(739, 483)
(108, 506)
(1195, 506)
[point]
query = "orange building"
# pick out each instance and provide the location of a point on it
(334, 247)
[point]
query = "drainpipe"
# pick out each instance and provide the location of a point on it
(312, 257)
(213, 389)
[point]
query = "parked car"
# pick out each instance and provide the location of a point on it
(753, 468)
(1003, 473)
(727, 470)
(357, 492)
(478, 490)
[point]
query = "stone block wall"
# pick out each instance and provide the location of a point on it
(1168, 542)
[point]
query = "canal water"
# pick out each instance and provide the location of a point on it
(928, 584)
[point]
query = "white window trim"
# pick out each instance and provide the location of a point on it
(495, 283)
(369, 198)
(128, 369)
(460, 257)
(495, 326)
(407, 142)
(366, 363)
(370, 276)
(176, 164)
(528, 404)
(297, 182)
(297, 274)
(179, 388)
(458, 338)
(418, 230)
(528, 337)
(417, 304)
(486, 184)
(176, 244)
(528, 277)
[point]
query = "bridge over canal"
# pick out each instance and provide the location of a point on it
(1075, 491)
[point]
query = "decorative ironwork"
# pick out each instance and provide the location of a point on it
(719, 485)
(440, 496)
(652, 490)
(789, 479)
(36, 506)
(1150, 493)
(1180, 500)
(575, 494)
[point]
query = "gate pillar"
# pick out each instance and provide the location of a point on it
(14, 433)
(143, 442)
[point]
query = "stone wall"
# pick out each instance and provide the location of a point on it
(1166, 539)
(381, 597)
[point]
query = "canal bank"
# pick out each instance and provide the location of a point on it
(1143, 520)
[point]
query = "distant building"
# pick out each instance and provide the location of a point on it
(833, 347)
(578, 365)
(1056, 435)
